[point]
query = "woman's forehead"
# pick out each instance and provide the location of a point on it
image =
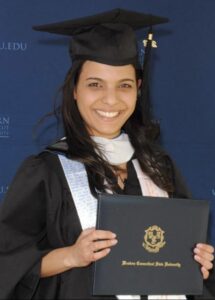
(92, 69)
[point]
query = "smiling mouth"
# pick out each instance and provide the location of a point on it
(108, 114)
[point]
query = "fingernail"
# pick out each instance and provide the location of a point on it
(114, 242)
(196, 250)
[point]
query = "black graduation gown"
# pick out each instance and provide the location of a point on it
(37, 216)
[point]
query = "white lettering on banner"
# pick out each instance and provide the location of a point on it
(3, 189)
(4, 120)
(13, 46)
(213, 191)
(4, 126)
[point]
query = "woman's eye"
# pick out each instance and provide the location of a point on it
(95, 84)
(126, 85)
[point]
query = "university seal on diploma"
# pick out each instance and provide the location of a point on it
(154, 239)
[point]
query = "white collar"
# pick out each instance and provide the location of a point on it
(117, 150)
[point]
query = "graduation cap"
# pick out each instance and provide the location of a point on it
(110, 38)
(107, 37)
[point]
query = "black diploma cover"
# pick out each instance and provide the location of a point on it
(154, 254)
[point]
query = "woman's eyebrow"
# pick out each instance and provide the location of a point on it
(95, 78)
(127, 79)
(100, 79)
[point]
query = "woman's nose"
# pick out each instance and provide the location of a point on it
(110, 96)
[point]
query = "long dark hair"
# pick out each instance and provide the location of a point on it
(140, 128)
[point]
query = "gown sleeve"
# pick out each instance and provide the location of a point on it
(23, 239)
(181, 191)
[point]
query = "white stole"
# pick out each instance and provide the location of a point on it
(86, 203)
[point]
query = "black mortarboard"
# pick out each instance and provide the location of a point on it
(107, 37)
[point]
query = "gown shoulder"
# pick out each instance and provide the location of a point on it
(23, 227)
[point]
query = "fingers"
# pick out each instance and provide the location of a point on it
(101, 254)
(91, 234)
(204, 262)
(204, 256)
(102, 235)
(207, 248)
(97, 246)
(94, 244)
(205, 273)
(101, 248)
(101, 239)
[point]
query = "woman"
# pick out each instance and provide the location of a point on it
(46, 250)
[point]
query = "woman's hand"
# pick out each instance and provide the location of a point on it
(204, 255)
(90, 246)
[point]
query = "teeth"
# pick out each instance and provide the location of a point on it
(107, 114)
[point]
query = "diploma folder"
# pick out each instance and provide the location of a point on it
(154, 254)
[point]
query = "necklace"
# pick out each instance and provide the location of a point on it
(121, 177)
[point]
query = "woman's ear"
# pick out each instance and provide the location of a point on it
(139, 82)
(75, 94)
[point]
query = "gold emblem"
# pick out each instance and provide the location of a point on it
(154, 43)
(154, 239)
(150, 38)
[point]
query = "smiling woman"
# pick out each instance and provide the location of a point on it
(106, 97)
(109, 141)
(102, 100)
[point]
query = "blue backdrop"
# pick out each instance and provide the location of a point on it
(33, 66)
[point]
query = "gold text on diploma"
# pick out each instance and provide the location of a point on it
(165, 264)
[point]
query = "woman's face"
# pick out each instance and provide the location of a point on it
(106, 97)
